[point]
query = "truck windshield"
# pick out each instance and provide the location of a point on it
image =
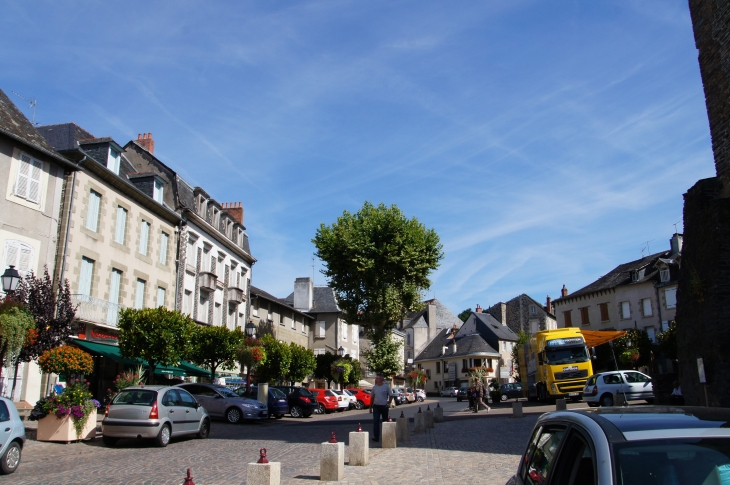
(567, 355)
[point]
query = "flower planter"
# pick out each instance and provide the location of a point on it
(62, 430)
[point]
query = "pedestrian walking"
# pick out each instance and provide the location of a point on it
(470, 395)
(380, 406)
(479, 395)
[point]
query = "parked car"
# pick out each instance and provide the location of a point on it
(343, 400)
(448, 392)
(410, 394)
(602, 388)
(461, 394)
(511, 390)
(326, 400)
(12, 437)
(420, 395)
(154, 412)
(302, 403)
(221, 402)
(363, 397)
(276, 402)
(642, 445)
(352, 398)
(399, 396)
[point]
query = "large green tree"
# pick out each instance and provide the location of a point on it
(278, 360)
(355, 374)
(378, 262)
(463, 316)
(302, 363)
(216, 347)
(323, 367)
(384, 356)
(157, 335)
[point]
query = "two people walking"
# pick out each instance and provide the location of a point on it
(476, 397)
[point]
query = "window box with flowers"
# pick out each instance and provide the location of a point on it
(71, 414)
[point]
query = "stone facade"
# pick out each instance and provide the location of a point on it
(524, 313)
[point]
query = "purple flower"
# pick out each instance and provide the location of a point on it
(96, 403)
(77, 411)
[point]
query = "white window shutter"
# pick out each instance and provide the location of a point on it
(34, 184)
(12, 249)
(115, 286)
(25, 260)
(139, 294)
(160, 296)
(92, 215)
(121, 225)
(87, 272)
(144, 237)
(163, 248)
(23, 180)
(321, 329)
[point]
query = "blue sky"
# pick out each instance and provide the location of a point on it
(545, 142)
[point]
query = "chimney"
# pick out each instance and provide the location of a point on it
(549, 304)
(676, 243)
(303, 294)
(235, 209)
(145, 141)
(479, 309)
(443, 350)
(432, 321)
(564, 292)
(453, 346)
(503, 313)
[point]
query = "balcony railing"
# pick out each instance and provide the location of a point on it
(207, 281)
(96, 310)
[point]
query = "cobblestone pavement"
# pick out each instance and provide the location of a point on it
(467, 449)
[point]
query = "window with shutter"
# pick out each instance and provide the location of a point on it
(163, 248)
(321, 329)
(670, 294)
(161, 296)
(18, 254)
(157, 192)
(114, 291)
(568, 319)
(139, 294)
(646, 307)
(144, 235)
(121, 225)
(28, 181)
(92, 214)
(584, 317)
(625, 310)
(114, 161)
(87, 273)
(604, 312)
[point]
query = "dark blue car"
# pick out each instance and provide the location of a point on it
(277, 402)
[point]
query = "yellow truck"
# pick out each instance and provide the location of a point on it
(554, 364)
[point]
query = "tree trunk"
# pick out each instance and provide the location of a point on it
(15, 377)
(212, 372)
(152, 372)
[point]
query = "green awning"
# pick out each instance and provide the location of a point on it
(112, 352)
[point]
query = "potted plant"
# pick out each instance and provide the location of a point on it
(71, 414)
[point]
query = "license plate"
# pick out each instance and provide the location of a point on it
(574, 394)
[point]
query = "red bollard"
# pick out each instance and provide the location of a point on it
(333, 439)
(262, 453)
(188, 479)
(359, 428)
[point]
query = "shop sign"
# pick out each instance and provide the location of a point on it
(98, 334)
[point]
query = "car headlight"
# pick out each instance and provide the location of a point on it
(552, 386)
(248, 406)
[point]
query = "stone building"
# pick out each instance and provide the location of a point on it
(34, 175)
(422, 327)
(276, 316)
(524, 313)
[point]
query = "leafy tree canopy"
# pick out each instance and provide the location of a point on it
(323, 366)
(302, 363)
(378, 262)
(668, 342)
(216, 347)
(463, 316)
(157, 335)
(355, 375)
(633, 349)
(278, 360)
(383, 356)
(522, 338)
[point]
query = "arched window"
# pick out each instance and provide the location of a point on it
(19, 254)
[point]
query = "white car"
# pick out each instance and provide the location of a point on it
(352, 398)
(449, 391)
(420, 395)
(343, 400)
(601, 389)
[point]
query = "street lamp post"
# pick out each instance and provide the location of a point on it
(250, 329)
(341, 353)
(10, 280)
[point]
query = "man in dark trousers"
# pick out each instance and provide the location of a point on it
(380, 405)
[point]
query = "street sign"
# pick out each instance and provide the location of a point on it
(452, 371)
(504, 373)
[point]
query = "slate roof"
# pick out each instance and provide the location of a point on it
(65, 136)
(621, 275)
(444, 317)
(486, 322)
(473, 344)
(323, 300)
(14, 124)
(258, 292)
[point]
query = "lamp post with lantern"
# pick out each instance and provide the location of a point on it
(250, 330)
(10, 280)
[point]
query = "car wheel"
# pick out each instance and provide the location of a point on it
(296, 412)
(163, 437)
(233, 415)
(420, 399)
(504, 397)
(359, 405)
(279, 416)
(204, 429)
(607, 400)
(109, 441)
(320, 408)
(11, 458)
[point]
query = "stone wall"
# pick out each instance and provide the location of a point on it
(519, 314)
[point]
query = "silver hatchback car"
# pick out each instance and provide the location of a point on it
(154, 412)
(221, 402)
(12, 436)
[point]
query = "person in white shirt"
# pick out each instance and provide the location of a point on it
(380, 405)
(676, 397)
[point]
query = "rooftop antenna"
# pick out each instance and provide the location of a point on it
(675, 226)
(648, 250)
(312, 270)
(31, 103)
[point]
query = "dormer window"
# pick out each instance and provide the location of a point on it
(157, 192)
(664, 275)
(114, 160)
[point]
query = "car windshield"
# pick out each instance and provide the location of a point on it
(567, 355)
(136, 397)
(277, 393)
(225, 392)
(700, 461)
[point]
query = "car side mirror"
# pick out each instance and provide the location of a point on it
(197, 405)
(593, 354)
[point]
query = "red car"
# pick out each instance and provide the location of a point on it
(363, 397)
(326, 400)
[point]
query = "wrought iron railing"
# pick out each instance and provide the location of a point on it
(96, 310)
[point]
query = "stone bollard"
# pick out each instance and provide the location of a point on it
(359, 447)
(438, 414)
(389, 434)
(620, 399)
(263, 395)
(332, 461)
(403, 434)
(419, 422)
(560, 405)
(429, 417)
(262, 472)
(517, 410)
